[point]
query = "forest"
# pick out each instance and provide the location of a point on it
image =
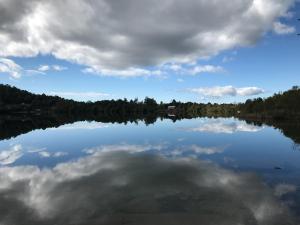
(280, 106)
(16, 101)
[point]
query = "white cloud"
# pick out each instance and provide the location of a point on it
(190, 69)
(10, 156)
(220, 91)
(59, 68)
(175, 67)
(206, 69)
(116, 36)
(126, 73)
(162, 71)
(282, 29)
(16, 71)
(44, 68)
(10, 67)
(34, 72)
(248, 91)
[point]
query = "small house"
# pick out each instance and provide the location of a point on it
(171, 107)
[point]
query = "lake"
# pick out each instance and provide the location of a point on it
(192, 171)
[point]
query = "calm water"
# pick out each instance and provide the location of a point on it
(199, 171)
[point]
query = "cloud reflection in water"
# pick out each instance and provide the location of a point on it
(163, 149)
(81, 125)
(222, 126)
(122, 188)
(11, 155)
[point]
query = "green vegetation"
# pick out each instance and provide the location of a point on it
(16, 101)
(281, 106)
(284, 105)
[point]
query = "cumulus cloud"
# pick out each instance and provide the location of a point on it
(282, 29)
(10, 67)
(227, 127)
(116, 188)
(114, 36)
(220, 91)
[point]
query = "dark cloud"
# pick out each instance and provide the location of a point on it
(110, 35)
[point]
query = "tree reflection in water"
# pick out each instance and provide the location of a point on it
(14, 126)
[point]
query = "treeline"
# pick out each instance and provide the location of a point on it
(280, 106)
(16, 101)
(284, 105)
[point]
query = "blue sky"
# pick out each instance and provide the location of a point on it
(240, 69)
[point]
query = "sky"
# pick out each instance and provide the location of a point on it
(192, 50)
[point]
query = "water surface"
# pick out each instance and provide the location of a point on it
(197, 171)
